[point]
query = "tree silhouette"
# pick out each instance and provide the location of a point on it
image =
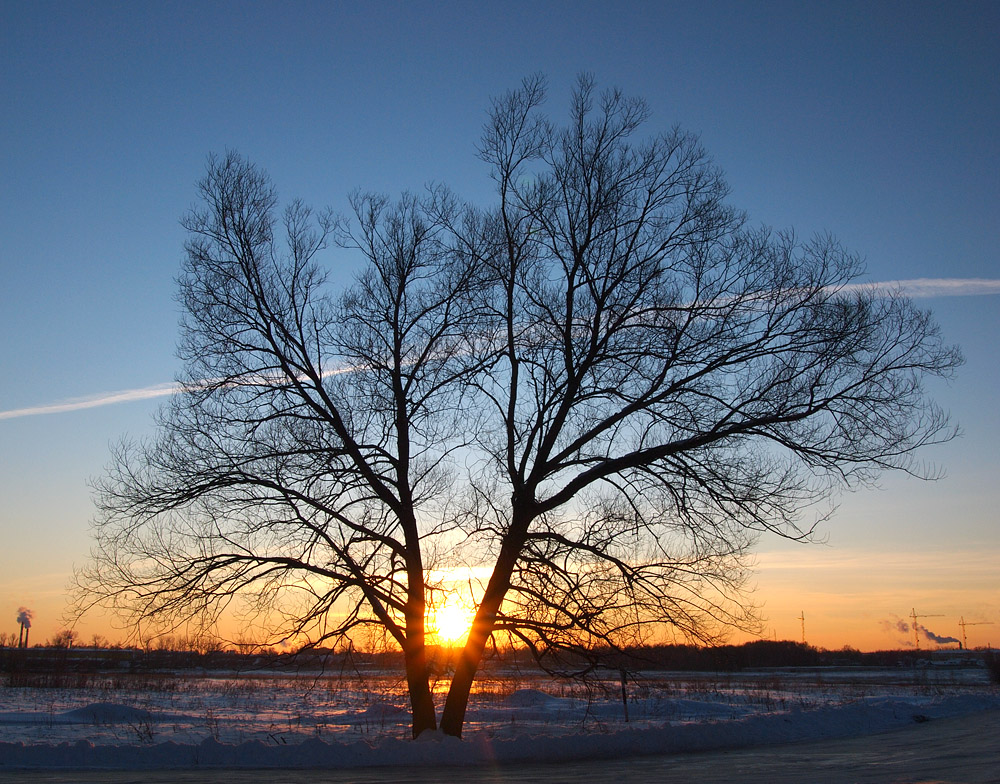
(603, 387)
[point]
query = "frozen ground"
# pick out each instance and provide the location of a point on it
(959, 750)
(193, 725)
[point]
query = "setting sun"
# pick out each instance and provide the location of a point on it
(450, 622)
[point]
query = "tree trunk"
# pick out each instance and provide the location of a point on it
(453, 716)
(421, 701)
(415, 654)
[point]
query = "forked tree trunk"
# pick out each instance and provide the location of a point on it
(453, 716)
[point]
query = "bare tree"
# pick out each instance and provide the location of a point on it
(667, 381)
(64, 638)
(606, 387)
(312, 433)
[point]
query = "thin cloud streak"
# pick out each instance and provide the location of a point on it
(918, 288)
(132, 395)
(95, 401)
(921, 288)
(975, 563)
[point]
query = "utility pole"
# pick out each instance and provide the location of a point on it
(963, 624)
(916, 633)
(802, 617)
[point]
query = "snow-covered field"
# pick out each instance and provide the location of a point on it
(267, 720)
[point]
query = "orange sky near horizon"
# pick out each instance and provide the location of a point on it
(864, 599)
(849, 597)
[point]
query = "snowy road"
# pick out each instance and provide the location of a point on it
(959, 750)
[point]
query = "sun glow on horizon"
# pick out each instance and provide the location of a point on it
(449, 623)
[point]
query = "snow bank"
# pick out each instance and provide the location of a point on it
(853, 719)
(533, 698)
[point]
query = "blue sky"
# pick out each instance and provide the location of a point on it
(876, 122)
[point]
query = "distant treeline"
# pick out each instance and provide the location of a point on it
(761, 653)
(724, 658)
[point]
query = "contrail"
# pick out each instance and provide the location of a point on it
(131, 395)
(94, 401)
(918, 288)
(921, 288)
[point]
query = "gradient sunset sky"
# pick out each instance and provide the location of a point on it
(875, 121)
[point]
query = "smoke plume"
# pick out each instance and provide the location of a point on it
(936, 637)
(895, 625)
(24, 616)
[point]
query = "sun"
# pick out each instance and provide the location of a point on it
(450, 622)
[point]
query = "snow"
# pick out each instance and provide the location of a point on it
(264, 721)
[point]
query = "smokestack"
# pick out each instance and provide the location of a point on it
(24, 616)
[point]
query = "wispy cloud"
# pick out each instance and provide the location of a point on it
(976, 563)
(920, 288)
(916, 287)
(143, 393)
(94, 401)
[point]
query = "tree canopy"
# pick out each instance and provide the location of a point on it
(601, 389)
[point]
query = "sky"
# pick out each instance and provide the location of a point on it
(876, 122)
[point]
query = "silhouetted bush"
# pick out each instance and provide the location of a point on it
(992, 660)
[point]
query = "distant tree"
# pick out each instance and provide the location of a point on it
(603, 387)
(64, 638)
